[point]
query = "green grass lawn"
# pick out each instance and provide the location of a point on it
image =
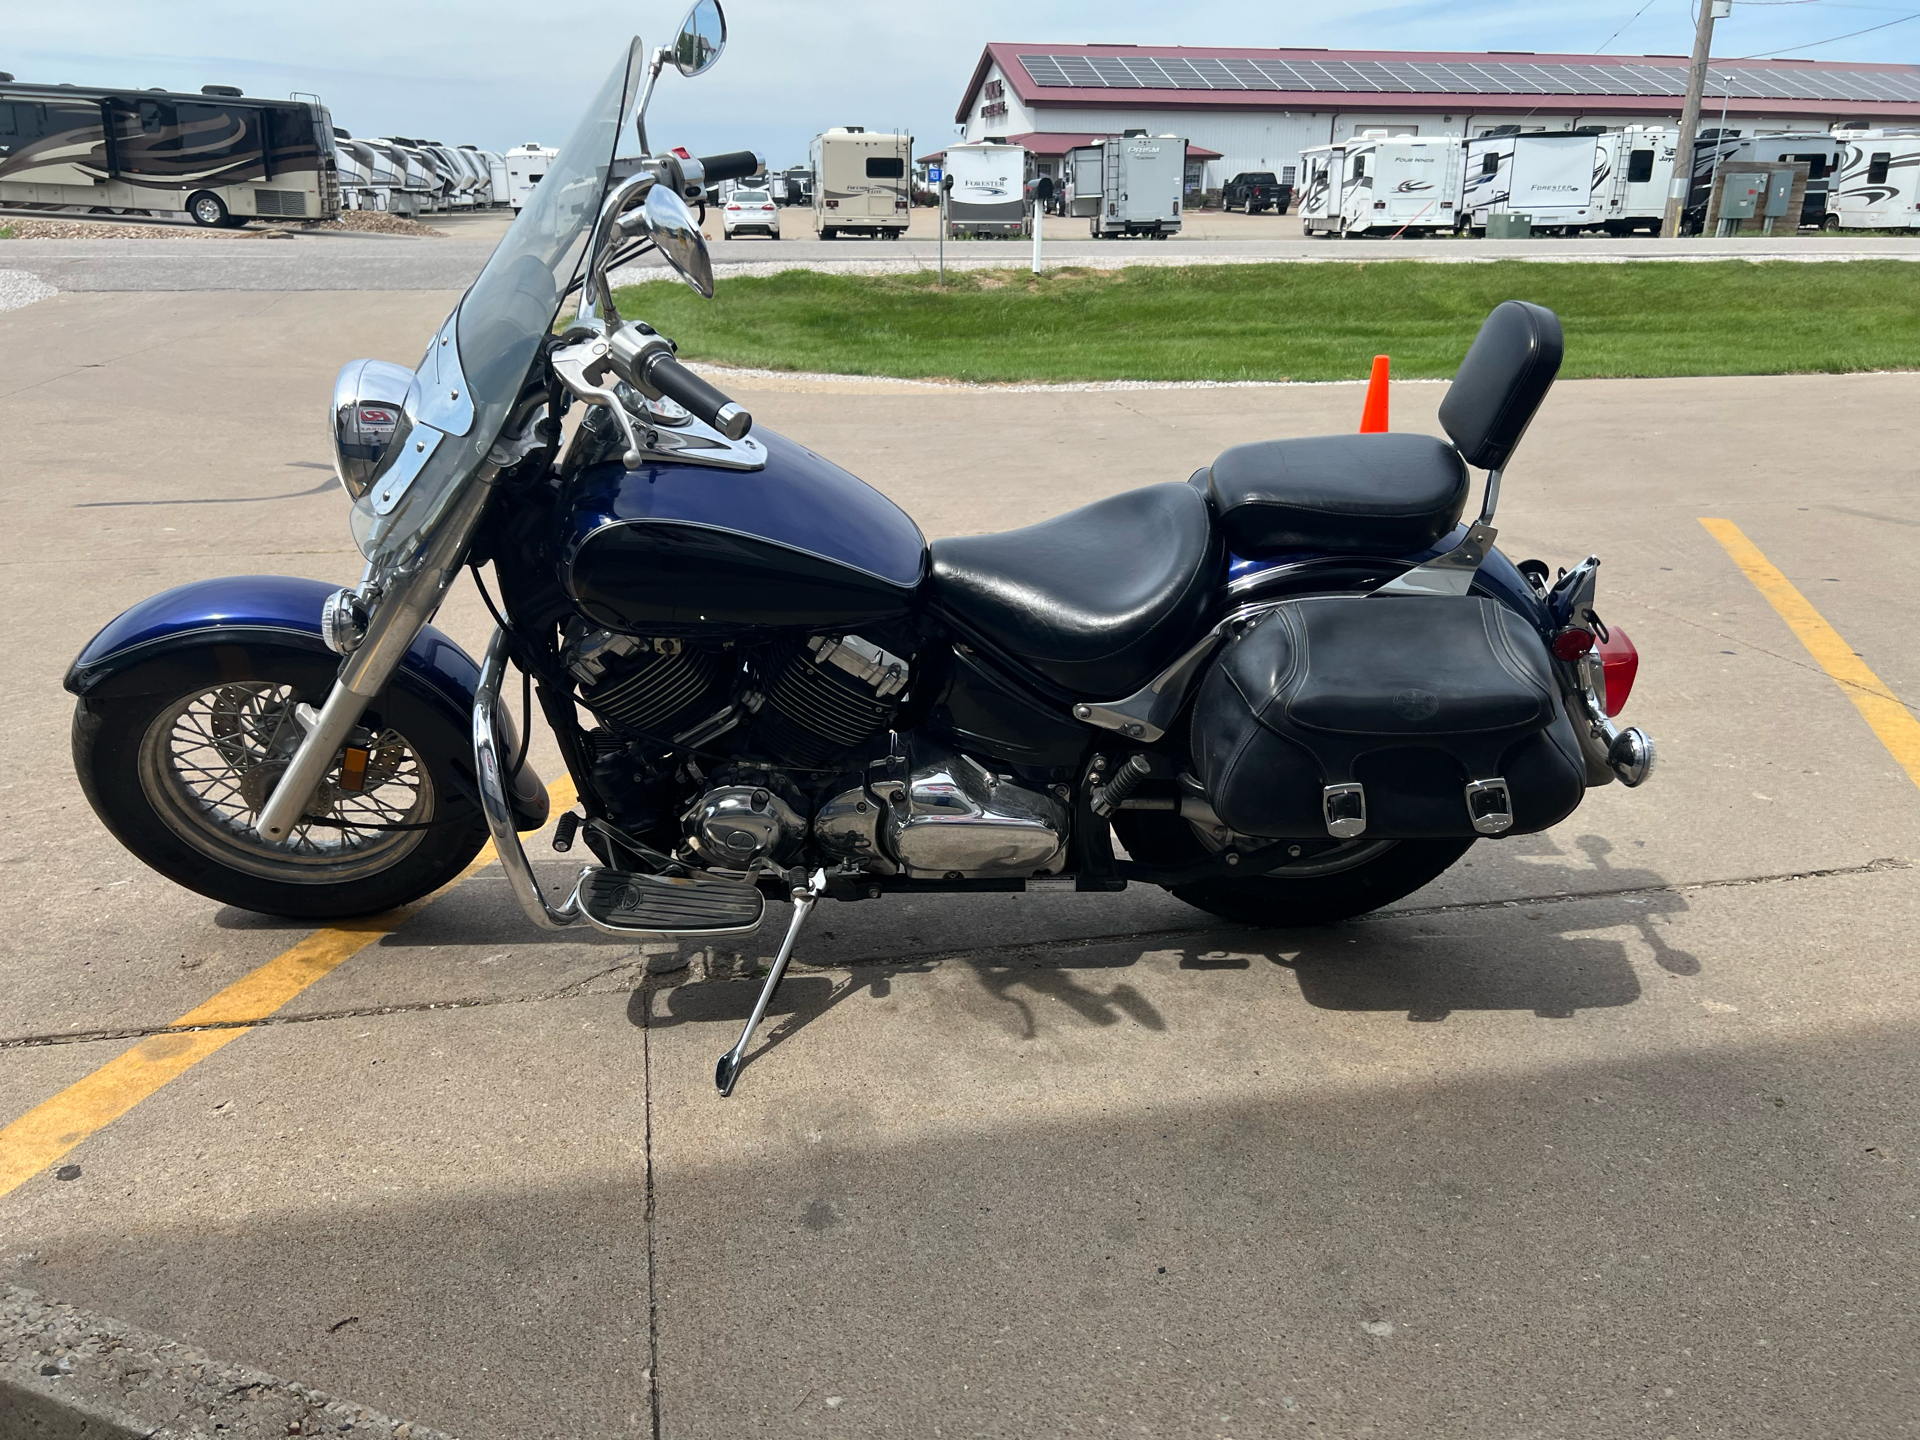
(1296, 322)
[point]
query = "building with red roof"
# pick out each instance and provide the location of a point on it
(1257, 109)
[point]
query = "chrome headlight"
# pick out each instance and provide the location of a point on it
(369, 416)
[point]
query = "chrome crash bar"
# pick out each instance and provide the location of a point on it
(494, 801)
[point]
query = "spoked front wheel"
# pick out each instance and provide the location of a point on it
(179, 778)
(1328, 881)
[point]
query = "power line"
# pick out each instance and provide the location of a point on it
(1623, 29)
(1831, 40)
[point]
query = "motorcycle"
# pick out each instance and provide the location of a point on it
(1293, 688)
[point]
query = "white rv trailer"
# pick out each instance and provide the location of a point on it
(1382, 185)
(425, 189)
(1549, 175)
(1129, 184)
(497, 182)
(1825, 155)
(526, 164)
(862, 183)
(1636, 174)
(385, 179)
(222, 157)
(409, 194)
(989, 190)
(356, 174)
(1873, 180)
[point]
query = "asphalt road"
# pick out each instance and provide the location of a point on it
(1610, 1131)
(336, 261)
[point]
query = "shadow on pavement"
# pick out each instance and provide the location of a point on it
(1631, 1235)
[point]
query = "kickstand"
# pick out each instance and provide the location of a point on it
(804, 896)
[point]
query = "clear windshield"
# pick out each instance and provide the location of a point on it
(500, 322)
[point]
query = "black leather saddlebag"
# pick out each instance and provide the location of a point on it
(1391, 718)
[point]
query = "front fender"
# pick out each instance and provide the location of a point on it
(166, 639)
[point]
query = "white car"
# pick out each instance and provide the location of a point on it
(751, 212)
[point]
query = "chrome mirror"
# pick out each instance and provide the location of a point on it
(369, 413)
(664, 219)
(703, 35)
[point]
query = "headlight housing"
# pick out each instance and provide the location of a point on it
(369, 418)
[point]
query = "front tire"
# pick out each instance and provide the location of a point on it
(208, 210)
(178, 777)
(1334, 884)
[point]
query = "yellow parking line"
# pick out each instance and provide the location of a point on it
(1891, 720)
(49, 1130)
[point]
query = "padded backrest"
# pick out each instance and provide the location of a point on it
(1508, 370)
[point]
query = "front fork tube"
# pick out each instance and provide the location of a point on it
(398, 617)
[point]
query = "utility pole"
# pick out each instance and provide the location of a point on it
(1682, 187)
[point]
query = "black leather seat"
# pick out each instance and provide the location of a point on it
(1380, 494)
(1099, 600)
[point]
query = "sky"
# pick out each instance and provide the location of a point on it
(494, 73)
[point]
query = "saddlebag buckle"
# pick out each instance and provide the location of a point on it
(1490, 806)
(1345, 807)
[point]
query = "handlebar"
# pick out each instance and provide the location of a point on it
(734, 166)
(679, 384)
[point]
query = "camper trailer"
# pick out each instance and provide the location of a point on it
(988, 195)
(525, 165)
(861, 183)
(1129, 185)
(1825, 156)
(1877, 186)
(220, 156)
(1634, 177)
(356, 174)
(1381, 185)
(1550, 175)
(497, 183)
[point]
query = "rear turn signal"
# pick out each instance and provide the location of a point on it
(1620, 663)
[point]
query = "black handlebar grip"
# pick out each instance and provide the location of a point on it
(736, 166)
(679, 384)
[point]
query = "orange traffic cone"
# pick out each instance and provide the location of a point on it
(1373, 415)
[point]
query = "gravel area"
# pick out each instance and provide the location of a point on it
(18, 288)
(378, 222)
(363, 222)
(23, 229)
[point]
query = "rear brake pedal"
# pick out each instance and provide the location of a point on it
(630, 903)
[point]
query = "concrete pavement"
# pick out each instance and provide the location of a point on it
(1608, 1131)
(324, 260)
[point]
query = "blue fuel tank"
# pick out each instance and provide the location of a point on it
(692, 550)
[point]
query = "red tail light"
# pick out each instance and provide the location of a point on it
(1620, 663)
(1572, 642)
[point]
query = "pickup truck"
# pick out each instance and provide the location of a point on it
(1255, 190)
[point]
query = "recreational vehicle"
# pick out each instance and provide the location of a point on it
(497, 183)
(1878, 183)
(1826, 156)
(355, 173)
(525, 165)
(861, 183)
(1551, 176)
(1140, 178)
(1634, 177)
(989, 189)
(221, 157)
(1382, 185)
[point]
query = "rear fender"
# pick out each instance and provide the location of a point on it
(178, 638)
(1498, 578)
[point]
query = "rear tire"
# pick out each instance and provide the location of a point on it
(208, 210)
(1279, 901)
(177, 777)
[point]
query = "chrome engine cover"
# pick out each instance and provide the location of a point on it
(958, 820)
(734, 825)
(848, 828)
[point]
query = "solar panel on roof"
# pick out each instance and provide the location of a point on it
(1452, 76)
